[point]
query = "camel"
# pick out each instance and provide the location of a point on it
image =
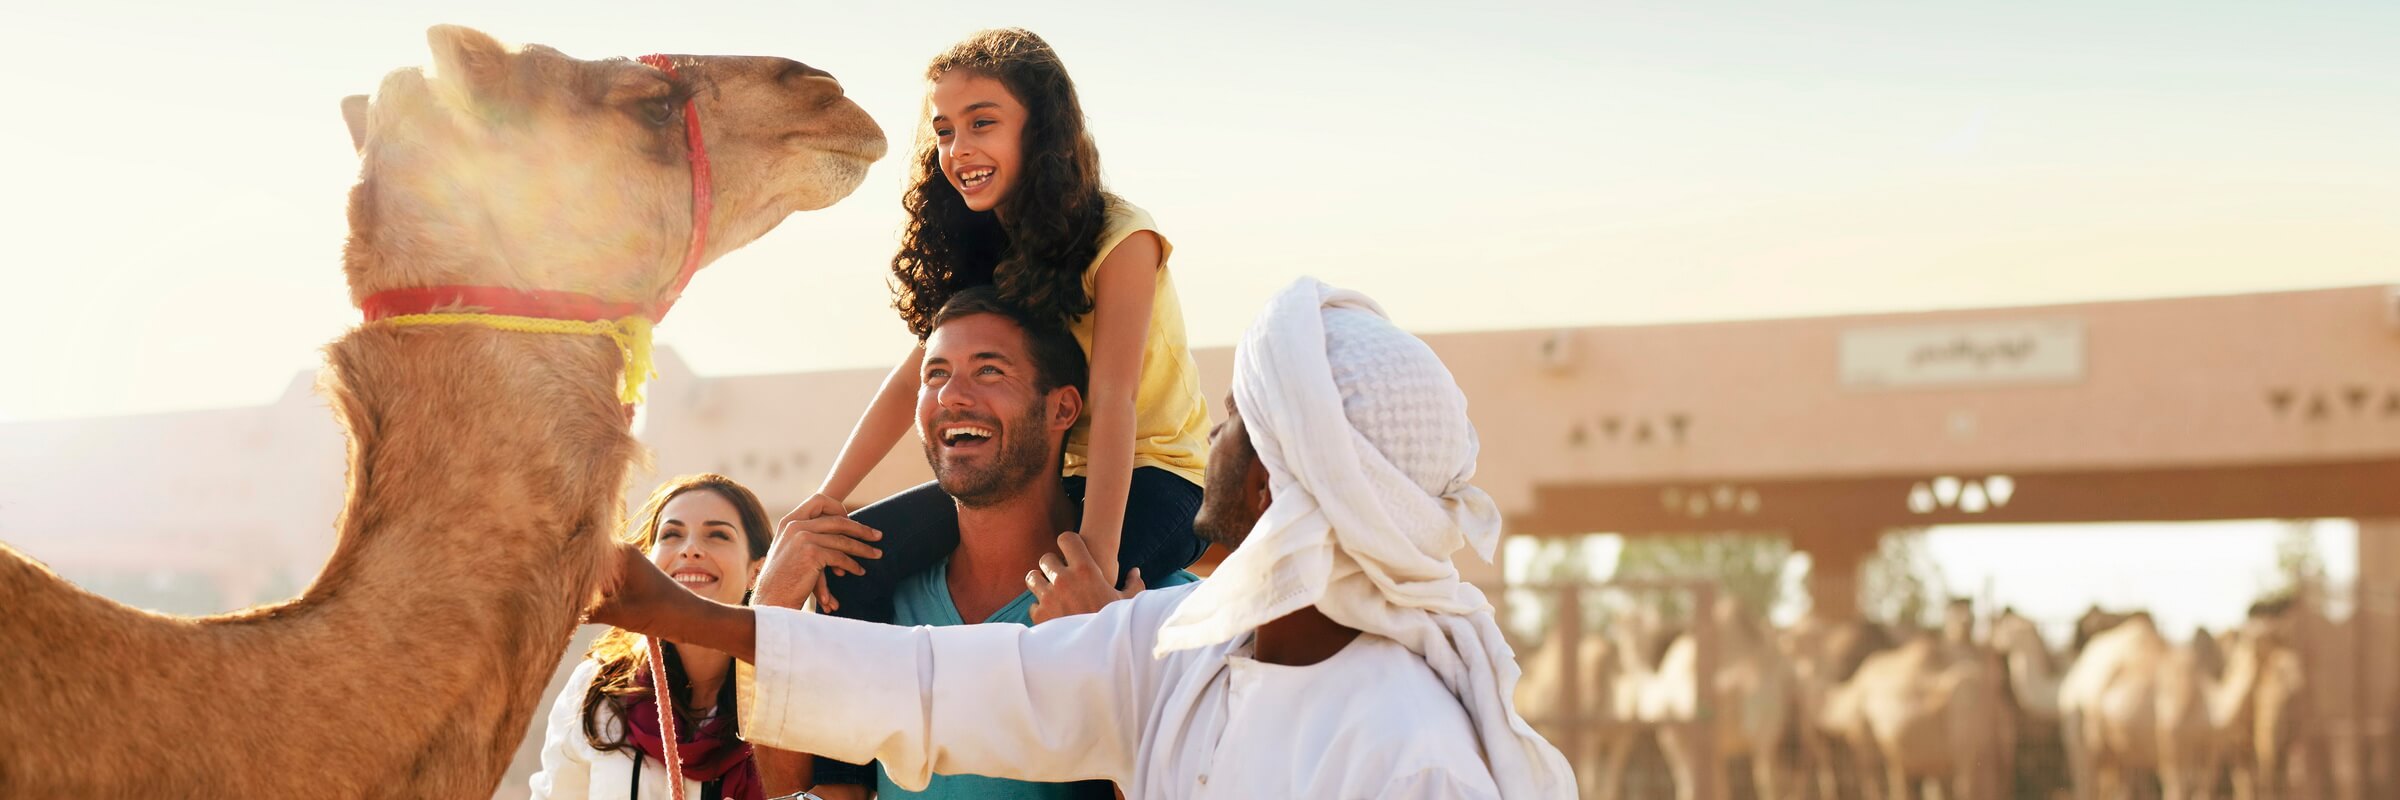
(2034, 673)
(2204, 694)
(1824, 654)
(1618, 670)
(1926, 710)
(1750, 699)
(1923, 709)
(2267, 739)
(2107, 704)
(486, 467)
(2281, 714)
(1606, 685)
(2093, 623)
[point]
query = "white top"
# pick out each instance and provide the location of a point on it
(572, 768)
(1082, 697)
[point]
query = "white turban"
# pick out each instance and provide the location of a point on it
(1365, 437)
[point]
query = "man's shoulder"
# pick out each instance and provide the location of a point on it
(1401, 711)
(1395, 684)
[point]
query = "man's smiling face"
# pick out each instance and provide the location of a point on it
(987, 428)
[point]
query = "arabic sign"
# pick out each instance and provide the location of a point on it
(1968, 354)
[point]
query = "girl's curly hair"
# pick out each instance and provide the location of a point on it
(1056, 211)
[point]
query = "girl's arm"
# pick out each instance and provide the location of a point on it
(1121, 299)
(889, 416)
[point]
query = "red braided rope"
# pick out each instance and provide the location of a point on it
(667, 734)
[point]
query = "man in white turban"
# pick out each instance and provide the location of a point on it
(1335, 653)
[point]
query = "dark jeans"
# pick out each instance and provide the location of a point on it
(920, 529)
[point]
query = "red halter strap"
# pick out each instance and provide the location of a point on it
(703, 193)
(573, 305)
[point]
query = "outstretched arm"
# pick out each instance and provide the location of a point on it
(641, 599)
(1062, 701)
(1059, 702)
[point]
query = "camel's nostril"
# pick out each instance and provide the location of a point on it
(793, 72)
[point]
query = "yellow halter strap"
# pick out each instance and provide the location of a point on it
(632, 335)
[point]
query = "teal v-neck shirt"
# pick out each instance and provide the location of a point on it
(924, 599)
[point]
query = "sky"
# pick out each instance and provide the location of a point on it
(176, 171)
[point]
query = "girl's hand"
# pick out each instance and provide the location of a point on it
(804, 550)
(817, 505)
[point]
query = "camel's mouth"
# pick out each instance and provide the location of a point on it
(863, 149)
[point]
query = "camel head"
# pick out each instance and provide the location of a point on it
(526, 168)
(2013, 633)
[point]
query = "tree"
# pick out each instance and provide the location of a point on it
(1900, 583)
(1553, 562)
(2299, 566)
(1745, 566)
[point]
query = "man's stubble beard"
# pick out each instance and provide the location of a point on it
(1023, 459)
(1221, 518)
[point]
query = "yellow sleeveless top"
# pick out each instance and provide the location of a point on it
(1170, 428)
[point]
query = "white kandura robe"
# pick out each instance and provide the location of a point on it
(1082, 697)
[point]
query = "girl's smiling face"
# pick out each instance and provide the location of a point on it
(978, 126)
(700, 543)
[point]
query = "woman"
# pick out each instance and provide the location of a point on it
(710, 534)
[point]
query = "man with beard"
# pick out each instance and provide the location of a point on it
(1335, 653)
(998, 394)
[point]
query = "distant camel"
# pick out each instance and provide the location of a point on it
(1823, 655)
(1928, 711)
(1750, 700)
(1614, 676)
(2108, 709)
(2034, 673)
(486, 466)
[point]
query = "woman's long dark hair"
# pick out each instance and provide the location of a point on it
(620, 652)
(1056, 210)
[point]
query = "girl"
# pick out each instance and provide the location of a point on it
(1005, 191)
(710, 534)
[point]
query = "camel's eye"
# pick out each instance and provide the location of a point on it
(658, 111)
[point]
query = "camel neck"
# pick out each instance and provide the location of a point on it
(2034, 678)
(2229, 695)
(485, 475)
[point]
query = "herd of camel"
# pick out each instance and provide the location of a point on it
(1846, 709)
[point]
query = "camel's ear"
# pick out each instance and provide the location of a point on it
(354, 112)
(469, 59)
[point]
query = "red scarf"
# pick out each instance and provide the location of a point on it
(711, 753)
